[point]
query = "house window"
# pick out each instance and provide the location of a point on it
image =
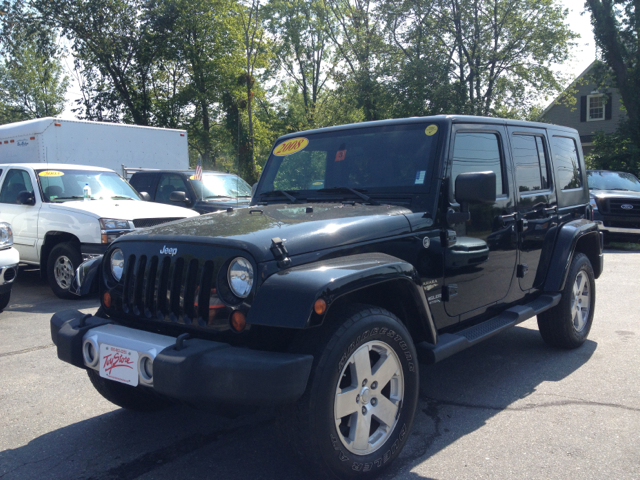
(595, 105)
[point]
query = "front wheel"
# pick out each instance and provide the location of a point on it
(359, 406)
(63, 261)
(567, 325)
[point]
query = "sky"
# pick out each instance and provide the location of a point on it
(582, 54)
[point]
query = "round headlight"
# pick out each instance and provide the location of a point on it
(240, 276)
(117, 264)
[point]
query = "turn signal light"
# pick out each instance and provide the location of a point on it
(320, 306)
(238, 321)
(106, 299)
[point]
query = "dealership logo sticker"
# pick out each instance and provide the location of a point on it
(290, 146)
(168, 251)
(626, 206)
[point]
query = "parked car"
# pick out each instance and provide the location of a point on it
(615, 199)
(216, 191)
(9, 260)
(62, 214)
(324, 301)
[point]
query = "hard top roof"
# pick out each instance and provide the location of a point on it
(448, 119)
(55, 166)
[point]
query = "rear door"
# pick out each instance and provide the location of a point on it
(481, 259)
(536, 199)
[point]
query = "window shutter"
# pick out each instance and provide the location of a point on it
(608, 108)
(583, 108)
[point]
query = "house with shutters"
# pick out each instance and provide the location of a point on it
(597, 109)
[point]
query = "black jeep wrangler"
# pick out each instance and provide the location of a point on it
(368, 249)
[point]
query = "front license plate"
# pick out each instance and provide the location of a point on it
(119, 364)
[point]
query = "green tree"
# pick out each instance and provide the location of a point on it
(616, 26)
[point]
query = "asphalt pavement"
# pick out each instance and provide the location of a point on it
(509, 408)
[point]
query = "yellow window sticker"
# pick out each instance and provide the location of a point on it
(51, 173)
(431, 130)
(290, 146)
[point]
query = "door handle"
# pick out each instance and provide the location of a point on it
(550, 210)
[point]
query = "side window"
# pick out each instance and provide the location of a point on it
(477, 152)
(15, 182)
(530, 160)
(169, 183)
(143, 182)
(565, 157)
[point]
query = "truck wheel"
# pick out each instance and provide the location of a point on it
(4, 300)
(139, 399)
(61, 268)
(567, 324)
(358, 409)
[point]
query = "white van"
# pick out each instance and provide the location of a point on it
(63, 214)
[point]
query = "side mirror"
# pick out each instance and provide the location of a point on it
(26, 198)
(178, 196)
(476, 187)
(145, 196)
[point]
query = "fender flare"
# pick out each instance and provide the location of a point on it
(567, 240)
(286, 298)
(87, 277)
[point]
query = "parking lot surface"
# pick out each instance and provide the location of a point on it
(511, 407)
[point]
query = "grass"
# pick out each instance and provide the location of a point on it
(626, 246)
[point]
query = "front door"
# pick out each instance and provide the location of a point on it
(480, 257)
(537, 205)
(23, 218)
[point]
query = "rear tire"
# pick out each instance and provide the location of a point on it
(4, 300)
(358, 409)
(63, 261)
(139, 399)
(567, 325)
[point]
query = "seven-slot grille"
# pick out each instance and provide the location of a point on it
(172, 289)
(152, 222)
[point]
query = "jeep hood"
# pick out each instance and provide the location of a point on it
(124, 209)
(302, 228)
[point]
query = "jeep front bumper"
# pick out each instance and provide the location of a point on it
(200, 372)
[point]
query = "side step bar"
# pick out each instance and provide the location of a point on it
(450, 343)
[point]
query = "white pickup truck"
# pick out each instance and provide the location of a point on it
(58, 222)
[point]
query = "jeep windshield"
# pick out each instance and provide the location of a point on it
(359, 163)
(605, 180)
(62, 185)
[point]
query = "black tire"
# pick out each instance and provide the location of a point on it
(63, 261)
(310, 426)
(139, 399)
(567, 325)
(4, 300)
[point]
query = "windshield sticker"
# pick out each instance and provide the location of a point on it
(291, 146)
(431, 130)
(51, 173)
(340, 155)
(420, 177)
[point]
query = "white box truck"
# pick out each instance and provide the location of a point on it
(99, 144)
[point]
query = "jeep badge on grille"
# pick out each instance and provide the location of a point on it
(168, 251)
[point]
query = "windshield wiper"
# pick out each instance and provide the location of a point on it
(284, 193)
(120, 197)
(75, 197)
(358, 193)
(218, 196)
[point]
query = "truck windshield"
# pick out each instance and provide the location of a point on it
(604, 180)
(62, 185)
(375, 160)
(221, 186)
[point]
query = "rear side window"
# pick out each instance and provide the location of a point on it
(144, 182)
(565, 157)
(530, 160)
(477, 152)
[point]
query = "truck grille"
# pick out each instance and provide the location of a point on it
(176, 290)
(615, 207)
(152, 222)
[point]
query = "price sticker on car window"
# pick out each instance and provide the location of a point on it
(50, 173)
(431, 130)
(290, 146)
